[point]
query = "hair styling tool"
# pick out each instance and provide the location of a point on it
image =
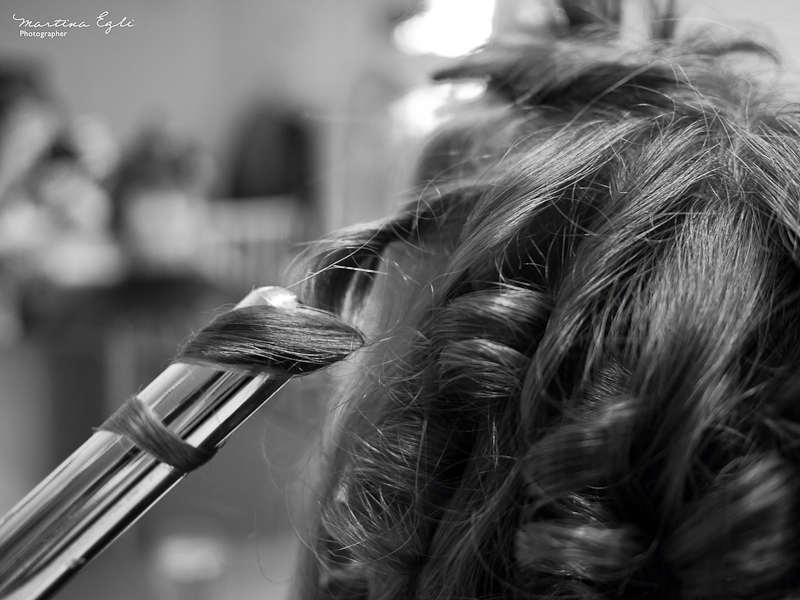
(170, 428)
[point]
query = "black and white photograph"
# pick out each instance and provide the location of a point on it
(400, 299)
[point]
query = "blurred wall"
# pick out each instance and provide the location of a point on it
(195, 64)
(169, 63)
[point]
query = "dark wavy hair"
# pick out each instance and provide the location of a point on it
(588, 382)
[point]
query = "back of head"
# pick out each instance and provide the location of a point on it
(589, 386)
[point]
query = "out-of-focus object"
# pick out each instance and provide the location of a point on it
(446, 27)
(266, 204)
(54, 213)
(273, 155)
(28, 121)
(159, 195)
(187, 560)
(252, 239)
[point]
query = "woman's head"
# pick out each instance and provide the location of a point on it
(589, 384)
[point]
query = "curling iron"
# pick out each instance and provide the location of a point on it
(154, 440)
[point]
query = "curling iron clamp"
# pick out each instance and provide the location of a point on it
(154, 440)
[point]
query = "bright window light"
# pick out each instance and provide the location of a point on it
(421, 110)
(446, 27)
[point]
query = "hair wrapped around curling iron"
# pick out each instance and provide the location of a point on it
(598, 398)
(277, 337)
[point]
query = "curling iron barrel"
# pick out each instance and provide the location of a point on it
(171, 427)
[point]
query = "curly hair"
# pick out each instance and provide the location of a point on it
(589, 384)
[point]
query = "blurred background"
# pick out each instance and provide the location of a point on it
(161, 162)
